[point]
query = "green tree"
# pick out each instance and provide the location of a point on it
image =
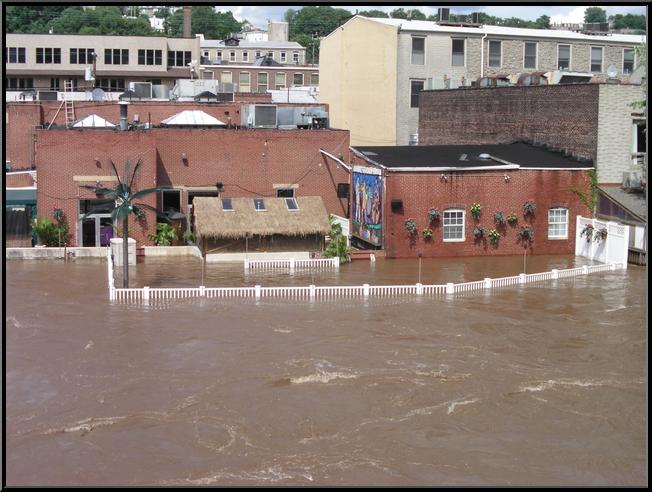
(125, 198)
(165, 234)
(416, 14)
(595, 14)
(543, 22)
(213, 25)
(337, 247)
(374, 13)
(310, 23)
(399, 13)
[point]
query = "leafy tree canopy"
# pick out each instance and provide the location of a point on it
(213, 25)
(374, 13)
(595, 14)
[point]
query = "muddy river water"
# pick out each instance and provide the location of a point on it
(540, 384)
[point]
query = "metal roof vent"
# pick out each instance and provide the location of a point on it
(484, 156)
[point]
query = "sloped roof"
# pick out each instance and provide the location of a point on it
(192, 117)
(211, 221)
(92, 121)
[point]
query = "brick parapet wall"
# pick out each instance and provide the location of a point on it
(564, 116)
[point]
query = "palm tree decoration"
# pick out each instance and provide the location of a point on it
(125, 203)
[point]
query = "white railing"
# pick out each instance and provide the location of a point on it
(337, 291)
(292, 264)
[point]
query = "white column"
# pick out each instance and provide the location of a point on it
(419, 289)
(365, 290)
(257, 291)
(555, 273)
(487, 283)
(450, 288)
(522, 278)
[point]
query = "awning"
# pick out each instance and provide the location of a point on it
(26, 196)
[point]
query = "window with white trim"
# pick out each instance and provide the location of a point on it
(245, 56)
(457, 54)
(596, 59)
(563, 56)
(262, 81)
(244, 82)
(226, 77)
(259, 205)
(283, 56)
(628, 60)
(232, 56)
(295, 56)
(529, 55)
(279, 79)
(416, 86)
(558, 223)
(418, 51)
(453, 225)
(495, 53)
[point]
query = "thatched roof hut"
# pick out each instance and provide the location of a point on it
(213, 222)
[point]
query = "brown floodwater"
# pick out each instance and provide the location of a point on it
(540, 384)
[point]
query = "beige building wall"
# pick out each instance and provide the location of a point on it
(616, 130)
(358, 78)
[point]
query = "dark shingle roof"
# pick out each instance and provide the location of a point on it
(523, 154)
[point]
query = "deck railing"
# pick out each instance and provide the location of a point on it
(292, 264)
(312, 292)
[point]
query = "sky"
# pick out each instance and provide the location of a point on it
(259, 14)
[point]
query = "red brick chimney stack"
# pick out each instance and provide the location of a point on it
(187, 21)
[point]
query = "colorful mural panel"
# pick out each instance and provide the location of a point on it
(366, 207)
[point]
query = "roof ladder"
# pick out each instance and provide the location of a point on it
(67, 99)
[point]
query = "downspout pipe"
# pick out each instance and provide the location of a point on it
(482, 55)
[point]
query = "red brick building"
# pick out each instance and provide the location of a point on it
(412, 180)
(247, 163)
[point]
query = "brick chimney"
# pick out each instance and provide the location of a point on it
(187, 21)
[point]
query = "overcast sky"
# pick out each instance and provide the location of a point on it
(259, 14)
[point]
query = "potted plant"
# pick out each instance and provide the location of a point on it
(411, 226)
(529, 207)
(526, 233)
(601, 234)
(476, 209)
(512, 218)
(165, 234)
(433, 215)
(479, 232)
(587, 232)
(427, 234)
(499, 218)
(189, 237)
(494, 236)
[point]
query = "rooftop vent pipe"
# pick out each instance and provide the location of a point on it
(123, 115)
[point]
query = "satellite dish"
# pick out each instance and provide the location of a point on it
(98, 94)
(612, 71)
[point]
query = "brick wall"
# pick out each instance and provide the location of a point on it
(564, 116)
(422, 191)
(248, 162)
(20, 121)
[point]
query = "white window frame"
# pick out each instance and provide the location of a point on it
(601, 48)
(296, 204)
(230, 203)
(245, 56)
(500, 63)
(412, 62)
(410, 92)
(232, 56)
(295, 56)
(570, 55)
(206, 53)
(262, 202)
(218, 56)
(446, 226)
(283, 57)
(285, 80)
(536, 55)
(266, 74)
(633, 62)
(557, 223)
(463, 53)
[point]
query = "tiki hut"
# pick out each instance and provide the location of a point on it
(228, 225)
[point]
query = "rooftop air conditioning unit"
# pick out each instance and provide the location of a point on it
(632, 180)
(47, 95)
(443, 14)
(475, 18)
(142, 89)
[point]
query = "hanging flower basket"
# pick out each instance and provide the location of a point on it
(479, 232)
(512, 218)
(499, 218)
(476, 209)
(427, 234)
(433, 215)
(494, 236)
(587, 232)
(411, 226)
(600, 235)
(525, 233)
(529, 207)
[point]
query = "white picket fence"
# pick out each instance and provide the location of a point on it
(312, 292)
(292, 264)
(613, 249)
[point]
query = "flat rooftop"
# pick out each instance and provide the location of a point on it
(468, 156)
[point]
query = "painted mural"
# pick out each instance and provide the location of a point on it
(366, 207)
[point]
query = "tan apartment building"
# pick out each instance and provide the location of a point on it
(372, 69)
(45, 61)
(243, 51)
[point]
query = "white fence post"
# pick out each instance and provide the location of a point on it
(419, 289)
(555, 273)
(487, 283)
(522, 278)
(257, 291)
(145, 293)
(372, 257)
(336, 262)
(202, 291)
(585, 270)
(292, 265)
(365, 290)
(450, 288)
(312, 291)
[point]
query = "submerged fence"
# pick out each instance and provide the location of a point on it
(312, 292)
